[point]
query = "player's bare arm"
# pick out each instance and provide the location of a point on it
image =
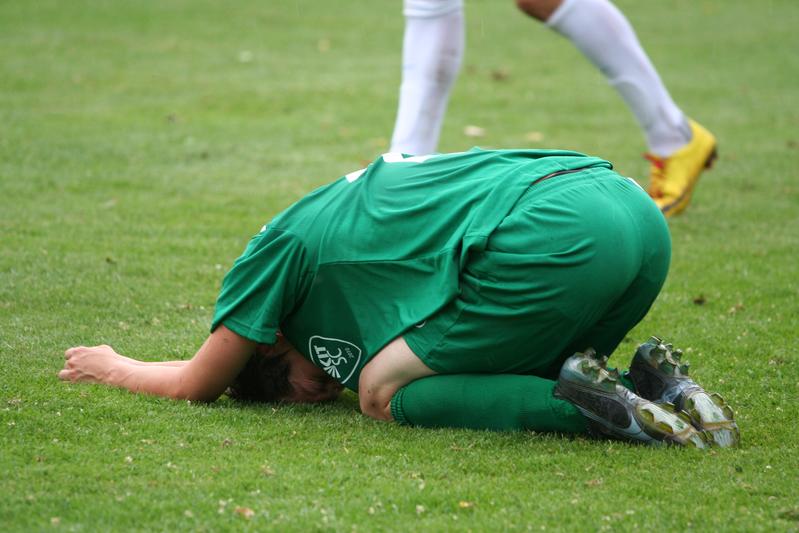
(204, 378)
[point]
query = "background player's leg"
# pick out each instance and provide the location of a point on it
(486, 401)
(603, 34)
(431, 57)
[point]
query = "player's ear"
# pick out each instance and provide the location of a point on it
(266, 351)
(270, 351)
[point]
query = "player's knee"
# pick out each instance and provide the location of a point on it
(373, 409)
(539, 9)
(430, 8)
(373, 406)
(374, 400)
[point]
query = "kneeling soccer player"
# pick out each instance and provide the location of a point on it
(459, 290)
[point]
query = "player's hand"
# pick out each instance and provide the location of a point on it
(90, 364)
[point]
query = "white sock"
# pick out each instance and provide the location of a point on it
(431, 57)
(603, 34)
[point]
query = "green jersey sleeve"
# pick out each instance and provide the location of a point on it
(265, 284)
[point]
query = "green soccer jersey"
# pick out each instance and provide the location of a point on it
(357, 262)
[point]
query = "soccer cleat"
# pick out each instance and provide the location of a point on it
(660, 375)
(672, 179)
(616, 411)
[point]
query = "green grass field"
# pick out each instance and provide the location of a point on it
(142, 143)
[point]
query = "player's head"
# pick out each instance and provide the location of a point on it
(264, 378)
(281, 374)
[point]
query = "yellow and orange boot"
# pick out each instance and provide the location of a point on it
(673, 178)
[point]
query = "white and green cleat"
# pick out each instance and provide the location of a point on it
(660, 375)
(616, 411)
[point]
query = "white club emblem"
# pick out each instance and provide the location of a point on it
(337, 357)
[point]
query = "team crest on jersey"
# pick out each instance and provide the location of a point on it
(337, 357)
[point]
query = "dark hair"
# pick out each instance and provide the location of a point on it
(263, 379)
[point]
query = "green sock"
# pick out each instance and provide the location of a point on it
(486, 401)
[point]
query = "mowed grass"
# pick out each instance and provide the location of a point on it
(142, 143)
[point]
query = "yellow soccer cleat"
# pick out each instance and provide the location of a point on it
(672, 179)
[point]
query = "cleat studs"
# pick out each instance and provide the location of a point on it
(701, 440)
(668, 407)
(658, 357)
(711, 159)
(677, 354)
(695, 441)
(665, 428)
(726, 438)
(647, 414)
(606, 379)
(586, 367)
(667, 368)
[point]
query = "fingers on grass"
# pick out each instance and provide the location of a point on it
(72, 351)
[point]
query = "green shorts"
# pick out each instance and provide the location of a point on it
(577, 263)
